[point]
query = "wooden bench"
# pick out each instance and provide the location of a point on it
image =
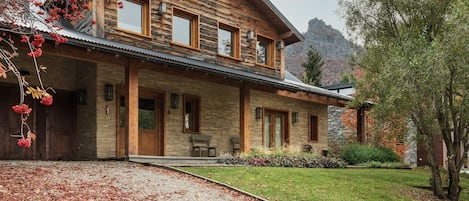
(200, 143)
(235, 144)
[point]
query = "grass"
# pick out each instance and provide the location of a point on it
(324, 184)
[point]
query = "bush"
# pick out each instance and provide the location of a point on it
(388, 165)
(355, 154)
(279, 158)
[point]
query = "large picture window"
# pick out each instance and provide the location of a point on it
(228, 41)
(185, 28)
(191, 114)
(265, 51)
(133, 16)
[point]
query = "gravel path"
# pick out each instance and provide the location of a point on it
(103, 180)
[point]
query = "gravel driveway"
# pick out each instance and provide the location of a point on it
(103, 180)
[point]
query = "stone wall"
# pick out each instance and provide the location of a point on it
(338, 135)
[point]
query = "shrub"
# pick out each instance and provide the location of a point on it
(285, 158)
(355, 154)
(389, 165)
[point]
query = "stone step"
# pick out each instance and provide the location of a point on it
(176, 161)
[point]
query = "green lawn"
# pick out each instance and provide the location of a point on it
(324, 184)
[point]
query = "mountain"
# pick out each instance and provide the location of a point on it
(332, 45)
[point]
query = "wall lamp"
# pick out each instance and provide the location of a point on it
(108, 92)
(258, 112)
(250, 35)
(280, 44)
(294, 117)
(174, 101)
(162, 8)
(81, 96)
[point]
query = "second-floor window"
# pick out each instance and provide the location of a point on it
(228, 41)
(265, 51)
(185, 28)
(133, 16)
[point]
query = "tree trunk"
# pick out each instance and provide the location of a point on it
(435, 180)
(453, 189)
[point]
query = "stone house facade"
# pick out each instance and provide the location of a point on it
(126, 88)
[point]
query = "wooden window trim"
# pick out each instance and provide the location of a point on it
(285, 125)
(271, 48)
(311, 130)
(195, 31)
(236, 41)
(196, 124)
(145, 19)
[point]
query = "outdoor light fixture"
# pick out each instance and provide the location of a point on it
(280, 44)
(174, 101)
(294, 117)
(81, 96)
(108, 92)
(258, 112)
(250, 35)
(162, 8)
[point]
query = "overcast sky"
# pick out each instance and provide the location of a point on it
(299, 12)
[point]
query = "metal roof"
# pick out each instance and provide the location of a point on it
(290, 82)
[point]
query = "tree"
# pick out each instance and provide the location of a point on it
(19, 20)
(416, 68)
(312, 65)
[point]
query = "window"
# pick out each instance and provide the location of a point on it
(275, 133)
(133, 16)
(228, 41)
(191, 114)
(185, 28)
(265, 51)
(313, 128)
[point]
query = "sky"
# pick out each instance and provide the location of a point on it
(299, 12)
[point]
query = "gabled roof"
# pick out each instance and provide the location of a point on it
(280, 21)
(290, 82)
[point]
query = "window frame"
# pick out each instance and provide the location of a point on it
(194, 20)
(235, 40)
(195, 116)
(145, 18)
(313, 128)
(270, 57)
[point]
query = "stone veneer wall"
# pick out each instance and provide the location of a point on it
(106, 131)
(219, 111)
(299, 131)
(85, 140)
(337, 133)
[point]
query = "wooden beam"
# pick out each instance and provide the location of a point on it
(244, 118)
(83, 54)
(310, 97)
(131, 107)
(286, 35)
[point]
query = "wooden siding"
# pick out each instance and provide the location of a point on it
(242, 14)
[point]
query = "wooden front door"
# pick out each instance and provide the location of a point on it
(275, 133)
(54, 126)
(150, 125)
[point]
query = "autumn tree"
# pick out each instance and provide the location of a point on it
(416, 68)
(19, 22)
(312, 65)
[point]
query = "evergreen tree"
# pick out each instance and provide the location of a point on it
(312, 73)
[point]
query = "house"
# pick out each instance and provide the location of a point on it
(148, 75)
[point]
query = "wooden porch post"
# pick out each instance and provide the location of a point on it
(131, 108)
(244, 119)
(361, 125)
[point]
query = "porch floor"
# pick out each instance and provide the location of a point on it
(178, 161)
